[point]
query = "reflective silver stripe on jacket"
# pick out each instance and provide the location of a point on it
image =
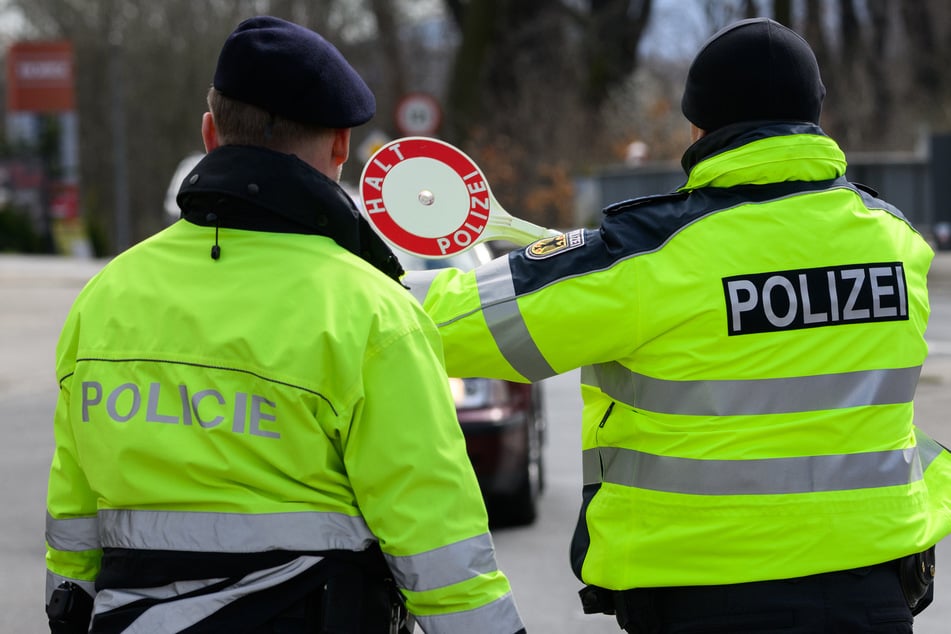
(53, 580)
(928, 448)
(499, 616)
(755, 396)
(232, 532)
(502, 316)
(177, 615)
(768, 476)
(444, 566)
(73, 534)
(497, 299)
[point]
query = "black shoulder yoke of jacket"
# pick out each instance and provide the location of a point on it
(634, 203)
(643, 225)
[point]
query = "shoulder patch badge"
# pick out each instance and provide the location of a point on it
(548, 247)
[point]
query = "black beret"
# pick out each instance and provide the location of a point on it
(292, 72)
(755, 69)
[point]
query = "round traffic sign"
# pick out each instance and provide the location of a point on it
(418, 113)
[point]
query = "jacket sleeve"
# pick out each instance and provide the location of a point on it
(73, 552)
(518, 319)
(406, 458)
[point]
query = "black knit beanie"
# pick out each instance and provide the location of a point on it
(753, 70)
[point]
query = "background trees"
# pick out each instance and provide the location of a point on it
(537, 91)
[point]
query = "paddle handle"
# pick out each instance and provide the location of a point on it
(504, 226)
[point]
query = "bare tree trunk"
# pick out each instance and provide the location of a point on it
(927, 63)
(880, 97)
(465, 85)
(844, 88)
(927, 33)
(750, 10)
(392, 57)
(782, 12)
(813, 33)
(616, 28)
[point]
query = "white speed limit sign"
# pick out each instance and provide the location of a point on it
(418, 114)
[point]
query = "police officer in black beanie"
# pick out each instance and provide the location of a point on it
(751, 346)
(298, 467)
(752, 83)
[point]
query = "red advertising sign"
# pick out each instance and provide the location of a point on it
(64, 201)
(40, 77)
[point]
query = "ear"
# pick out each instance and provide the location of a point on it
(696, 133)
(209, 134)
(340, 151)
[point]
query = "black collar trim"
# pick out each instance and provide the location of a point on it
(263, 190)
(257, 189)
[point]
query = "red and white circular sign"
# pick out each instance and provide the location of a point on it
(418, 113)
(425, 196)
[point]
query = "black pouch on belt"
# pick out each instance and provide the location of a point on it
(917, 574)
(595, 600)
(69, 609)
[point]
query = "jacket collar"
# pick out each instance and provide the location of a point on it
(762, 151)
(257, 189)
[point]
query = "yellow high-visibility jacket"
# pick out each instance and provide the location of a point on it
(750, 349)
(285, 398)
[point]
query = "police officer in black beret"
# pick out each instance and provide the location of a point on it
(255, 431)
(276, 85)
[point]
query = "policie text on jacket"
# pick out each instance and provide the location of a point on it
(205, 407)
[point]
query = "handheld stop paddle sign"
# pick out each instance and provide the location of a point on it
(428, 198)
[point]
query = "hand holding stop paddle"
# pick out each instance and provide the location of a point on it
(428, 198)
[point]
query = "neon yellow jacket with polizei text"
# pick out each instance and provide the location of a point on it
(750, 347)
(287, 397)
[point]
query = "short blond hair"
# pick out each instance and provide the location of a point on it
(239, 123)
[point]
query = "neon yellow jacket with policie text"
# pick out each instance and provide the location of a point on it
(750, 347)
(294, 399)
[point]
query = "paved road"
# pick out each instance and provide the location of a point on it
(35, 294)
